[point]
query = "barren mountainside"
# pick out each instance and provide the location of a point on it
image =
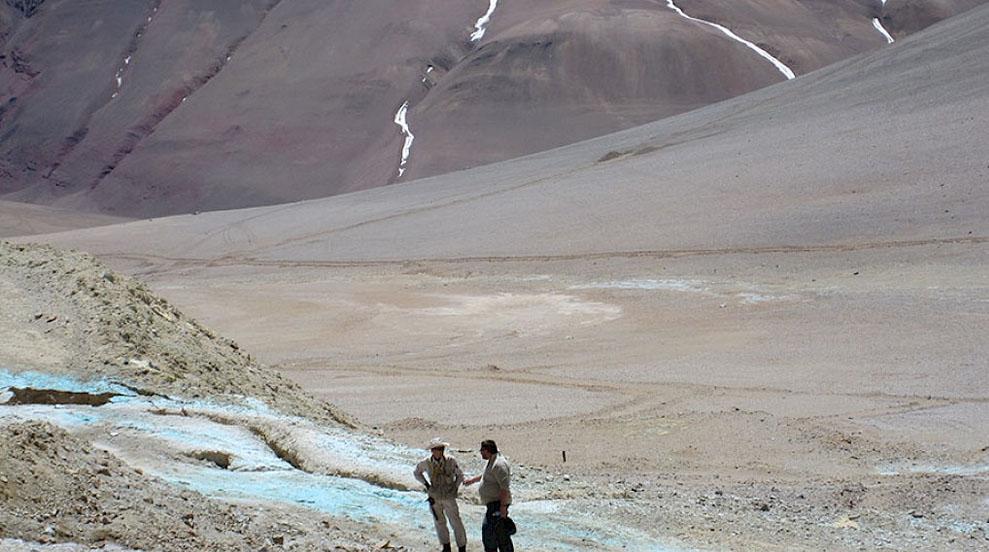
(158, 107)
(872, 150)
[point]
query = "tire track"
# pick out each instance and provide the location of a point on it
(231, 260)
(639, 397)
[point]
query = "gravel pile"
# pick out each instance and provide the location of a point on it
(113, 327)
(55, 488)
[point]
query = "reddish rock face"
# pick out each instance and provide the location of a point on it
(150, 108)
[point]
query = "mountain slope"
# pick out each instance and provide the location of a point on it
(155, 108)
(889, 146)
(86, 82)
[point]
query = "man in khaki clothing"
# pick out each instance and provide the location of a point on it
(496, 494)
(442, 487)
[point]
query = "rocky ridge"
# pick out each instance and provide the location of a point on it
(110, 326)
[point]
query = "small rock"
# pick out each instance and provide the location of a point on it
(846, 523)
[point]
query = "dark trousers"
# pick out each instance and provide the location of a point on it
(493, 533)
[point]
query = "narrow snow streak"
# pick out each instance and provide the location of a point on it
(787, 72)
(119, 77)
(482, 23)
(120, 80)
(402, 122)
(879, 27)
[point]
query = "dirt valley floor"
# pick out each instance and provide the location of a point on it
(788, 400)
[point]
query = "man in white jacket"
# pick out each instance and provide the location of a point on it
(442, 486)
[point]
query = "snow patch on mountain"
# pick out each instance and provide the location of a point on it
(879, 27)
(119, 76)
(402, 121)
(787, 72)
(482, 23)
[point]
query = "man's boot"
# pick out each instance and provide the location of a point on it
(446, 548)
(462, 548)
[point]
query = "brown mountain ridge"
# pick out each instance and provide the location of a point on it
(156, 107)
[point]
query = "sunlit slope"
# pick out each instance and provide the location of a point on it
(152, 108)
(888, 147)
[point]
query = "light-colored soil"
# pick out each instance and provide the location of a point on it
(23, 219)
(738, 401)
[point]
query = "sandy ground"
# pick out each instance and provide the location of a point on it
(170, 437)
(22, 219)
(807, 373)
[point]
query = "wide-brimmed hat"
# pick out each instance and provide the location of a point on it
(437, 443)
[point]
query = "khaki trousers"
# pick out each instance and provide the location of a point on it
(446, 508)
